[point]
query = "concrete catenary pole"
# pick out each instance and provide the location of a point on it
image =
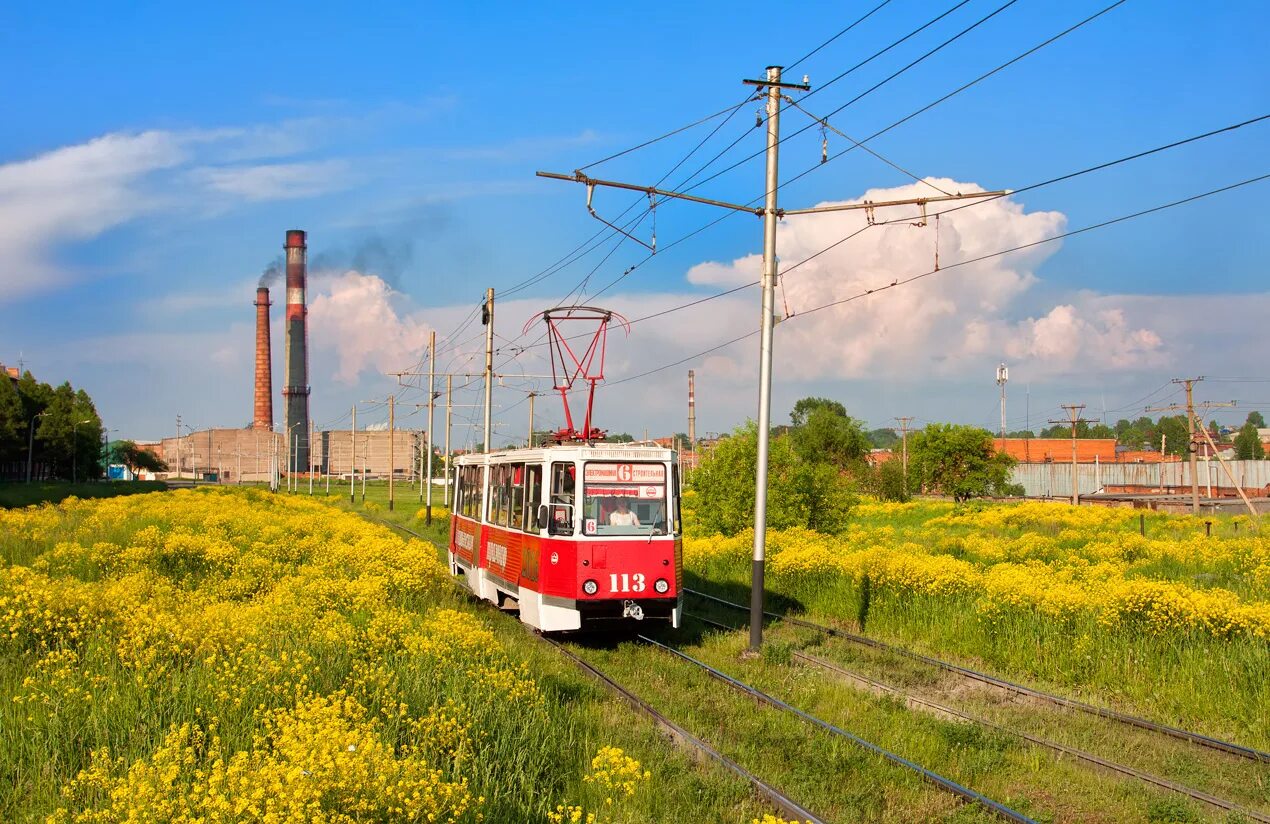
(487, 318)
(392, 443)
(1073, 414)
(529, 443)
(309, 451)
(904, 421)
(449, 387)
(1003, 375)
(432, 399)
(767, 324)
(352, 460)
(1192, 447)
(296, 389)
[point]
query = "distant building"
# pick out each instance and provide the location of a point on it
(1058, 450)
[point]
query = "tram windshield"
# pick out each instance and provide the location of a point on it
(624, 499)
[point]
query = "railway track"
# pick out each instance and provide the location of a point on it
(942, 710)
(1163, 729)
(703, 751)
(696, 747)
(946, 784)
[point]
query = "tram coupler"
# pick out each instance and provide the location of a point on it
(630, 609)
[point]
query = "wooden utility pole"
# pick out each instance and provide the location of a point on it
(1073, 414)
(1193, 446)
(392, 437)
(904, 447)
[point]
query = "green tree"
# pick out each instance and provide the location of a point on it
(1248, 443)
(136, 458)
(1176, 435)
(1256, 419)
(1021, 433)
(888, 481)
(826, 435)
(812, 494)
(960, 461)
(12, 425)
(803, 408)
(882, 438)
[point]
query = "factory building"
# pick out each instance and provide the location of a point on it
(230, 455)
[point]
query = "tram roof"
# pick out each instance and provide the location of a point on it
(571, 451)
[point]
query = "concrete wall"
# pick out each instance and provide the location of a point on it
(236, 454)
(333, 452)
(1055, 479)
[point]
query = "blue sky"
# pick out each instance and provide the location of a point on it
(153, 158)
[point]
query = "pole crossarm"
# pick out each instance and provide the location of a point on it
(591, 182)
(879, 204)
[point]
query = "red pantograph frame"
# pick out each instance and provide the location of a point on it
(567, 367)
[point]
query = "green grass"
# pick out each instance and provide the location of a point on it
(523, 765)
(14, 494)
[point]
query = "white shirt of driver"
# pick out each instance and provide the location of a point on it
(619, 518)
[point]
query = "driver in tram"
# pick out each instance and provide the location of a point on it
(623, 516)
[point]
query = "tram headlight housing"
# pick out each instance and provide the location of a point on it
(590, 587)
(661, 585)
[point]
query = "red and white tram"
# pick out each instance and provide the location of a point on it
(575, 535)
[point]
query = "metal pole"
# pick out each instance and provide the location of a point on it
(448, 388)
(765, 358)
(352, 459)
(30, 448)
(432, 396)
(365, 468)
(1191, 446)
(530, 443)
(488, 319)
(392, 452)
(309, 452)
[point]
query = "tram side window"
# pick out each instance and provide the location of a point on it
(516, 516)
(533, 496)
(472, 492)
(495, 494)
(561, 519)
(674, 490)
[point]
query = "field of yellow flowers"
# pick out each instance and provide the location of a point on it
(1171, 621)
(220, 655)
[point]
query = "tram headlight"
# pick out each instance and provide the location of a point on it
(590, 587)
(661, 586)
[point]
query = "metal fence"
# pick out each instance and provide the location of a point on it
(1055, 479)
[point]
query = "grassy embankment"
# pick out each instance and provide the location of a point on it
(1172, 625)
(227, 654)
(13, 494)
(839, 780)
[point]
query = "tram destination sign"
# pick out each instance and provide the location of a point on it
(625, 473)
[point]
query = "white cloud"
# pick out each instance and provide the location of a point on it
(274, 181)
(948, 323)
(363, 321)
(71, 194)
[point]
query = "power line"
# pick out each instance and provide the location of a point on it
(860, 20)
(904, 281)
(671, 133)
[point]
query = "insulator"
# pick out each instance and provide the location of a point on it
(824, 150)
(758, 119)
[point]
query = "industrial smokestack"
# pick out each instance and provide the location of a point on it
(263, 415)
(296, 390)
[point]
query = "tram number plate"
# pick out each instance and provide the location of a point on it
(627, 583)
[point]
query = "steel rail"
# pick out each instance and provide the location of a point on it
(935, 778)
(936, 708)
(1123, 718)
(697, 747)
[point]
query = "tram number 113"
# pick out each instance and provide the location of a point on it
(627, 583)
